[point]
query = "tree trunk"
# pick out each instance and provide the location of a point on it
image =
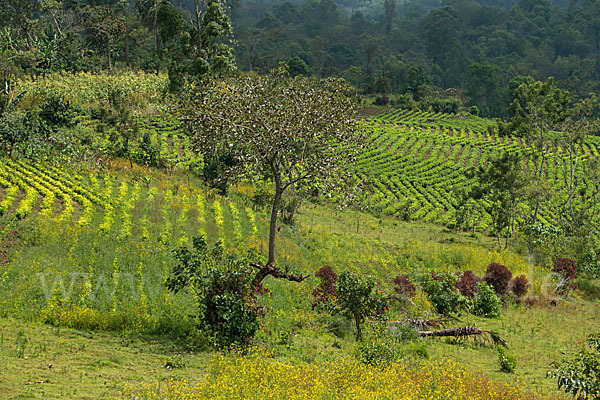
(358, 331)
(275, 209)
(155, 24)
(108, 56)
(456, 332)
(126, 45)
(198, 20)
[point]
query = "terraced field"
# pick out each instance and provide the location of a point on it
(418, 163)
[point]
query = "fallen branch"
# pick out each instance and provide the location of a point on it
(418, 324)
(465, 332)
(456, 332)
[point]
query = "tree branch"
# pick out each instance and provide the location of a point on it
(276, 272)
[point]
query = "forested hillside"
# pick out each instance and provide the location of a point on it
(416, 54)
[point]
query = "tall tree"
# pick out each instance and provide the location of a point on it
(500, 186)
(299, 131)
(105, 28)
(539, 109)
(389, 7)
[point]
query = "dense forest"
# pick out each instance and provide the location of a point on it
(460, 53)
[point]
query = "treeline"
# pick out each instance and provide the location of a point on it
(410, 53)
(411, 49)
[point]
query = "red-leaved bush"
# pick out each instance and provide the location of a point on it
(498, 276)
(520, 286)
(467, 284)
(326, 290)
(403, 285)
(566, 268)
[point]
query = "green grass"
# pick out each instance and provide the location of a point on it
(537, 336)
(71, 364)
(148, 333)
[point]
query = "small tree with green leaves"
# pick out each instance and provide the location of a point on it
(220, 284)
(358, 300)
(580, 376)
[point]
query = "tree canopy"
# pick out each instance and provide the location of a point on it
(296, 132)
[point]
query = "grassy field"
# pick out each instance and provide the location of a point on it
(149, 326)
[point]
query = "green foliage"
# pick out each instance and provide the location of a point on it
(147, 153)
(215, 168)
(12, 130)
(580, 376)
(56, 111)
(507, 361)
(358, 300)
(297, 66)
(588, 265)
(499, 187)
(388, 343)
(443, 293)
(220, 285)
(486, 303)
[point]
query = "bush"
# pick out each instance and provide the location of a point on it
(403, 286)
(326, 291)
(147, 153)
(373, 353)
(221, 286)
(382, 100)
(56, 111)
(498, 276)
(12, 130)
(589, 265)
(520, 286)
(443, 294)
(507, 362)
(579, 376)
(358, 300)
(467, 284)
(486, 303)
(566, 268)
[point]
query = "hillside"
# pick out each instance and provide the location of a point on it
(98, 202)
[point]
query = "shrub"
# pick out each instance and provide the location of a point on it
(382, 100)
(520, 286)
(373, 353)
(580, 375)
(326, 291)
(467, 284)
(57, 111)
(589, 265)
(443, 294)
(220, 285)
(147, 153)
(357, 299)
(498, 276)
(486, 303)
(507, 362)
(403, 286)
(566, 268)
